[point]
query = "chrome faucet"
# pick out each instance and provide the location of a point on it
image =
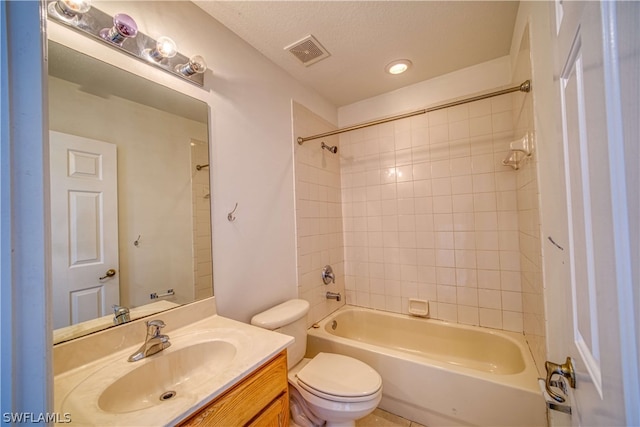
(153, 343)
(120, 315)
(334, 295)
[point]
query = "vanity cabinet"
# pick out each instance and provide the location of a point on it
(275, 415)
(261, 399)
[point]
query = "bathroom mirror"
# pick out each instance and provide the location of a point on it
(130, 195)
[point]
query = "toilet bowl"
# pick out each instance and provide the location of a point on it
(330, 388)
(336, 388)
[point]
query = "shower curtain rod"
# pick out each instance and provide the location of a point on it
(524, 87)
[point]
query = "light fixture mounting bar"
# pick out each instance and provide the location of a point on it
(93, 21)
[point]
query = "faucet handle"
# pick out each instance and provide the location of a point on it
(154, 326)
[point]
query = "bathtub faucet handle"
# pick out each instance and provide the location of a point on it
(328, 276)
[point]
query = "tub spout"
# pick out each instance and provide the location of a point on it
(334, 295)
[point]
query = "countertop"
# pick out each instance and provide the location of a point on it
(77, 391)
(74, 331)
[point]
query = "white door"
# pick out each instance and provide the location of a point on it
(599, 322)
(84, 228)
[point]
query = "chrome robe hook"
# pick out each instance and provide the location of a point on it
(230, 216)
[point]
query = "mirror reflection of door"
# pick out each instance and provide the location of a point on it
(84, 228)
(163, 200)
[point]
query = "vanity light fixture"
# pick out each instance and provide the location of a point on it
(165, 48)
(124, 27)
(398, 67)
(116, 30)
(69, 10)
(196, 65)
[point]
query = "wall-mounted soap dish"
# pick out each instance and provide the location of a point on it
(418, 307)
(519, 151)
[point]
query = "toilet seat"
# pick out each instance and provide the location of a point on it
(339, 378)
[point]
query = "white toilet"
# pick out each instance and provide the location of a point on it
(329, 388)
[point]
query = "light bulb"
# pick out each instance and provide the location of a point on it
(165, 48)
(69, 9)
(123, 28)
(196, 65)
(398, 67)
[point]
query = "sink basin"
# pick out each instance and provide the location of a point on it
(171, 378)
(205, 359)
(164, 376)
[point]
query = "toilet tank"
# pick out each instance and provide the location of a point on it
(289, 318)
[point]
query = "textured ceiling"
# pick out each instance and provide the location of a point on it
(364, 36)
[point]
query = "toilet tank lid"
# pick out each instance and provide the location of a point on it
(281, 315)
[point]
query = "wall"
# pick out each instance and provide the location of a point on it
(536, 18)
(26, 384)
(429, 210)
(629, 66)
(251, 147)
(252, 157)
(534, 199)
(154, 186)
(529, 211)
(318, 214)
(478, 78)
(430, 213)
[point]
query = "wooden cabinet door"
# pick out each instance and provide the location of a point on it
(246, 401)
(275, 415)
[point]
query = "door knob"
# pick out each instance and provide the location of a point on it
(110, 273)
(566, 370)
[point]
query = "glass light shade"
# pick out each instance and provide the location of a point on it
(123, 28)
(165, 48)
(69, 9)
(196, 65)
(398, 67)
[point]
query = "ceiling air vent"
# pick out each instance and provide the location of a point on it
(308, 50)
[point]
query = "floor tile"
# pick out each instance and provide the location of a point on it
(380, 418)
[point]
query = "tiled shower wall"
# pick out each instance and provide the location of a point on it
(430, 212)
(201, 197)
(319, 230)
(529, 214)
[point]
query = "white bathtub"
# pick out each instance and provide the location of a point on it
(438, 373)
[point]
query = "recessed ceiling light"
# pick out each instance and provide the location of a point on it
(398, 67)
